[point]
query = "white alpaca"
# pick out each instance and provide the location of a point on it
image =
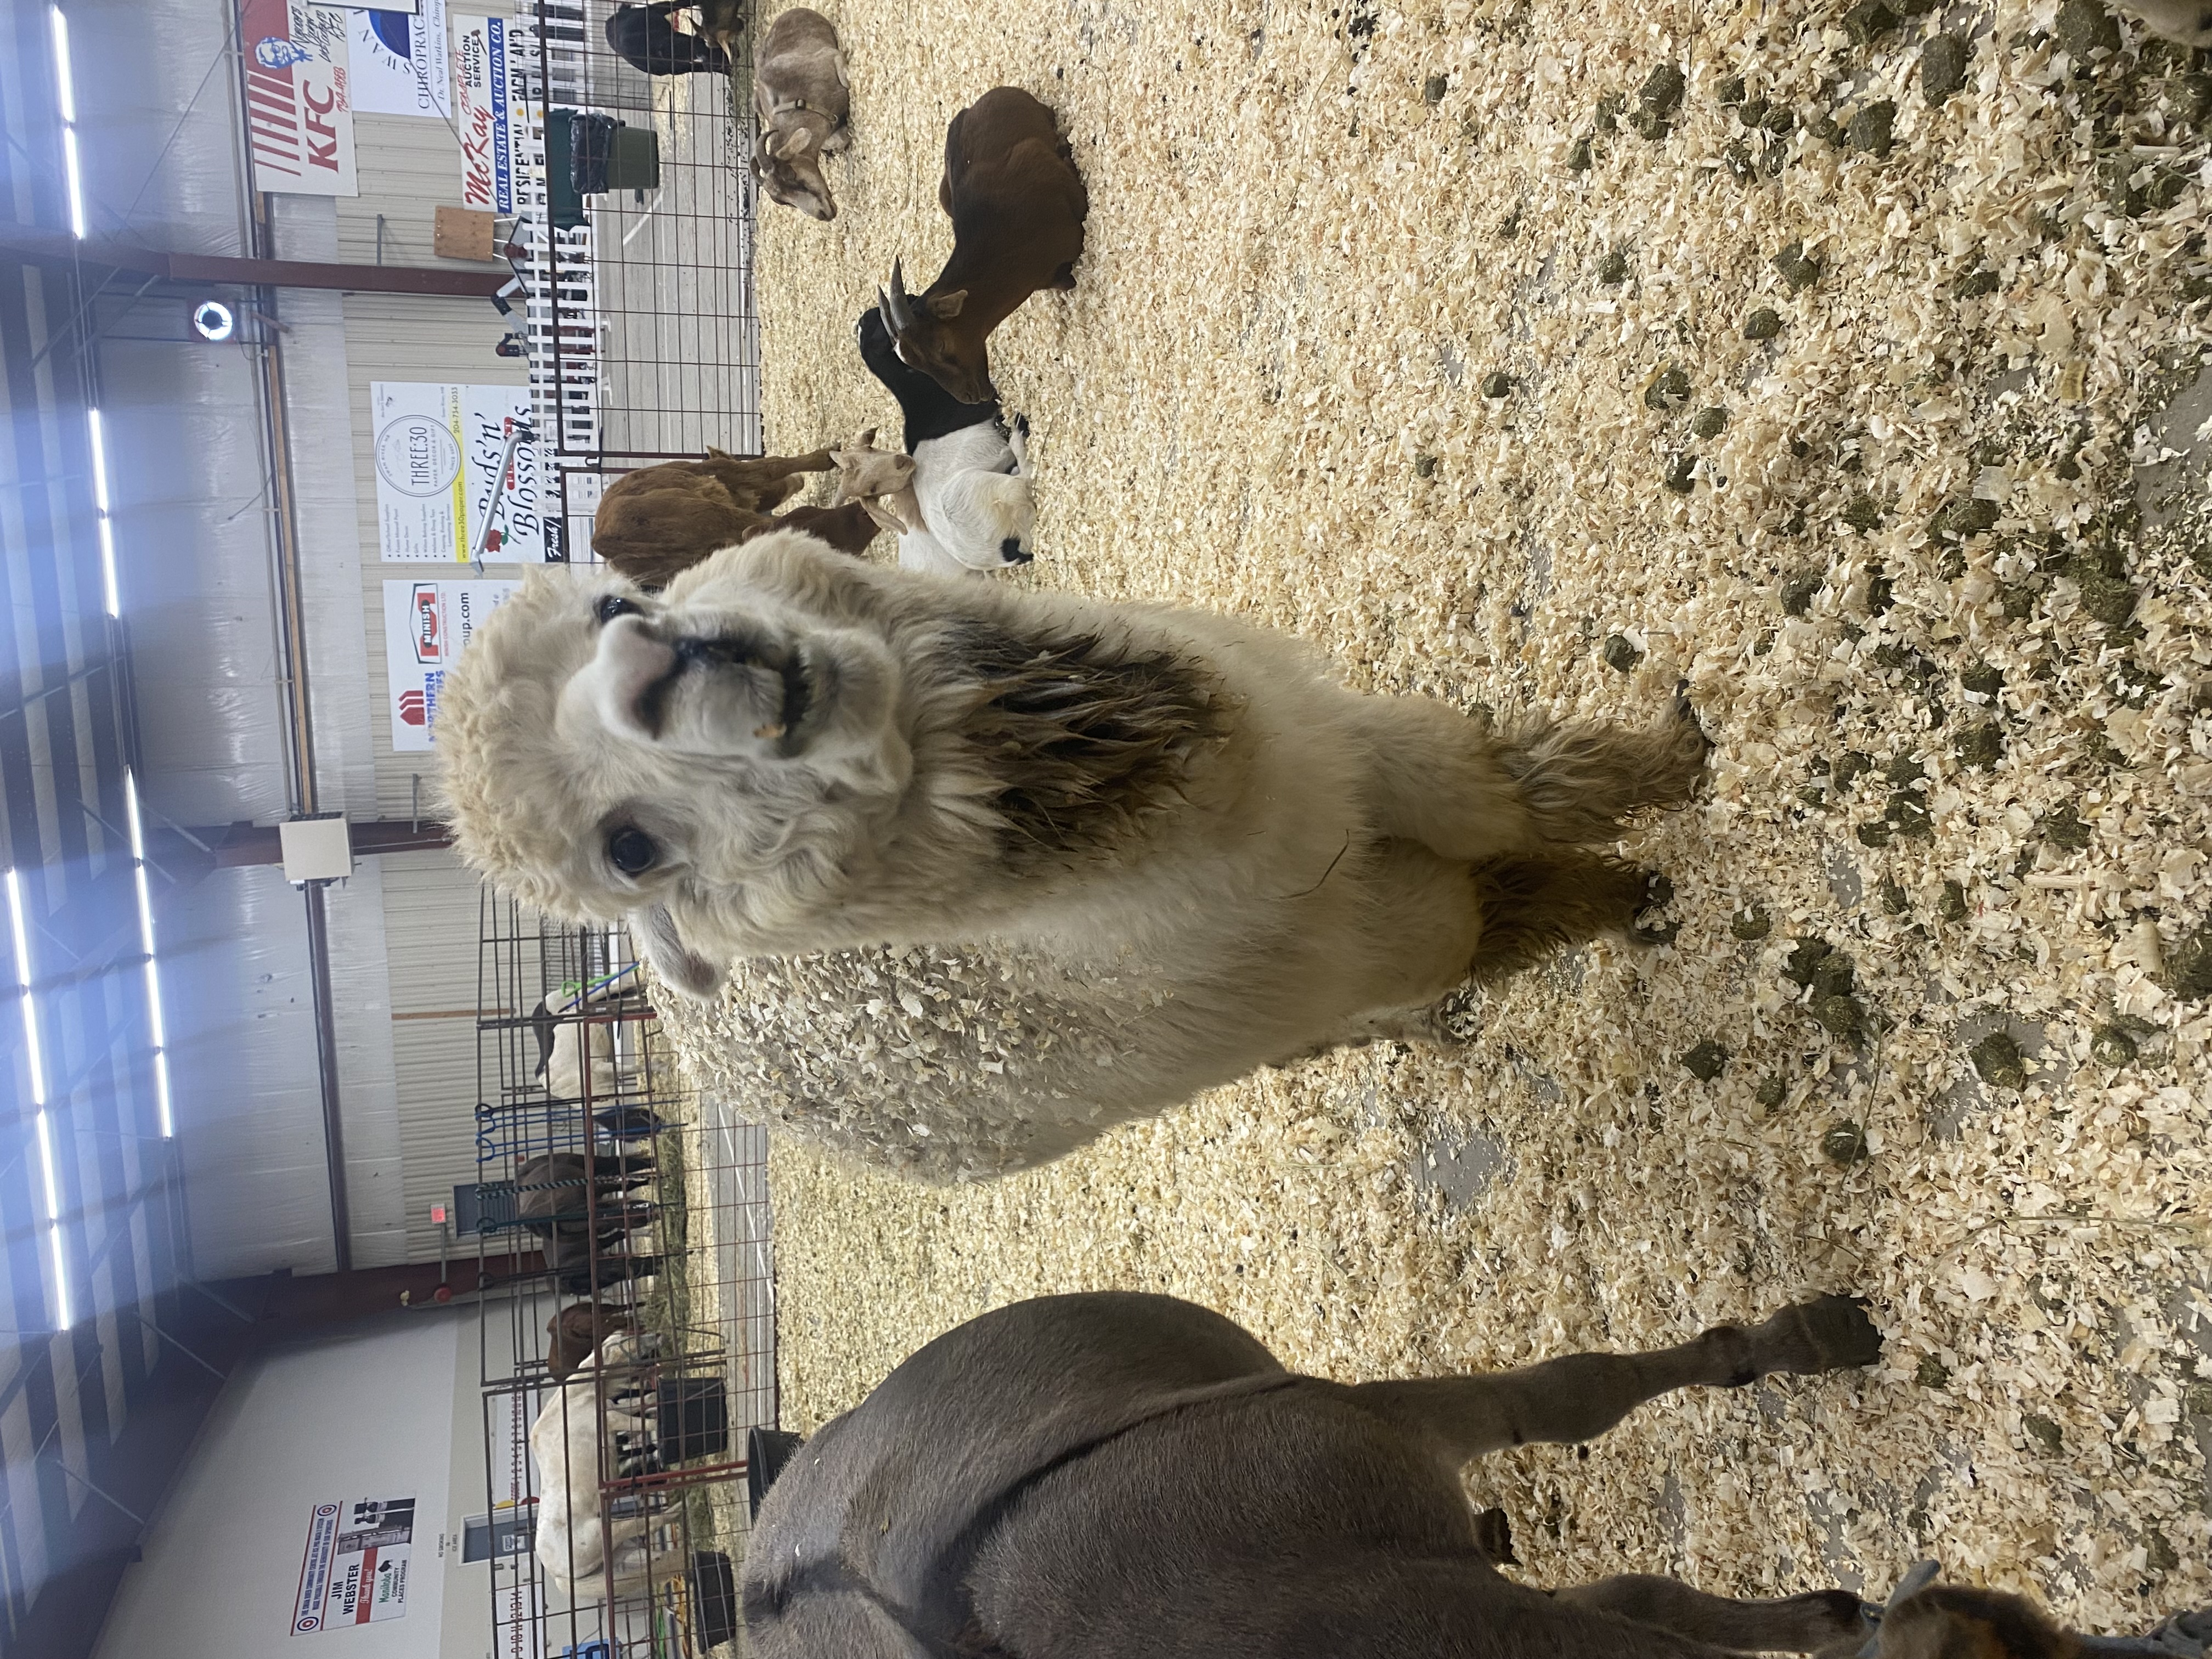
(789, 750)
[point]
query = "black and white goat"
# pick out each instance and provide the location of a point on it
(971, 479)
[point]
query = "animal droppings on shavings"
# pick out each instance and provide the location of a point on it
(2062, 828)
(1424, 466)
(1997, 1058)
(1894, 897)
(1943, 63)
(2189, 965)
(1797, 270)
(2046, 1432)
(1873, 127)
(1680, 475)
(1932, 1373)
(1706, 1061)
(1497, 386)
(2086, 31)
(1613, 269)
(1620, 655)
(1762, 324)
(1226, 409)
(1433, 90)
(1868, 21)
(1669, 389)
(1980, 745)
(1709, 422)
(1750, 923)
(1863, 513)
(1730, 92)
(1843, 1143)
(2111, 1045)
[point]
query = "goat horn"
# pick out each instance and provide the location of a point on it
(898, 311)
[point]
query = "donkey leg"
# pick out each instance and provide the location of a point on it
(1811, 1623)
(1579, 1396)
(1537, 904)
(1469, 791)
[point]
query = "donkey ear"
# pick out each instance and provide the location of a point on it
(944, 306)
(658, 941)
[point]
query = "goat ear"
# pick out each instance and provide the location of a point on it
(945, 307)
(654, 931)
(773, 143)
(800, 141)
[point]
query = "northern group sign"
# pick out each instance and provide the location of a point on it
(354, 1571)
(426, 624)
(299, 98)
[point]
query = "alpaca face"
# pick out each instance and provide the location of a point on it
(634, 747)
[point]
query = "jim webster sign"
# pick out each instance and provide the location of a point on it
(425, 626)
(355, 1572)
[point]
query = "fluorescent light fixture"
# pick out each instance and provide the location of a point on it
(98, 427)
(157, 1028)
(23, 984)
(50, 1176)
(65, 96)
(64, 81)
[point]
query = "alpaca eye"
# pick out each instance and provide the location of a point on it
(611, 606)
(631, 851)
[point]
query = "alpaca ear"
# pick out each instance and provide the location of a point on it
(658, 941)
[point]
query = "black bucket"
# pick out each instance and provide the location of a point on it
(695, 1419)
(767, 1450)
(713, 1598)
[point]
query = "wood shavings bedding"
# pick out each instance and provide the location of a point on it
(1937, 570)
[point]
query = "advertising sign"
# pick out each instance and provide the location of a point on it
(426, 624)
(490, 93)
(354, 1571)
(299, 98)
(439, 452)
(399, 62)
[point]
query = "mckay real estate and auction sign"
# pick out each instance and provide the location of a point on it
(491, 98)
(425, 626)
(299, 98)
(355, 1572)
(438, 450)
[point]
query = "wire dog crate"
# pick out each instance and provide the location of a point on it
(618, 1501)
(638, 315)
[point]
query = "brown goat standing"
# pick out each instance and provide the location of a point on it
(658, 521)
(576, 1331)
(1017, 206)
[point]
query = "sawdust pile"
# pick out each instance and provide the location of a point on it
(1851, 369)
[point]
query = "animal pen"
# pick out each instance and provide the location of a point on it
(632, 251)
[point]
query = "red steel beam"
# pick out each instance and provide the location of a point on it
(45, 247)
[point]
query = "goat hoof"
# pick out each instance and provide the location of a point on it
(1834, 1332)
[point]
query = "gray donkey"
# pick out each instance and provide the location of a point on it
(1120, 1476)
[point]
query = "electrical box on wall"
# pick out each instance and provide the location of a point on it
(315, 849)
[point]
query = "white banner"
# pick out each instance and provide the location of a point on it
(438, 451)
(355, 1572)
(492, 94)
(426, 625)
(399, 62)
(299, 99)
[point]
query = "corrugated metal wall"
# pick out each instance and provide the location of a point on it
(407, 167)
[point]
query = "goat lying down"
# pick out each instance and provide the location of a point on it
(970, 487)
(1102, 1475)
(792, 752)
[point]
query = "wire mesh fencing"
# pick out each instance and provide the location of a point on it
(621, 1378)
(633, 243)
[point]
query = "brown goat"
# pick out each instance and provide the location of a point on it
(576, 1331)
(1017, 205)
(658, 521)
